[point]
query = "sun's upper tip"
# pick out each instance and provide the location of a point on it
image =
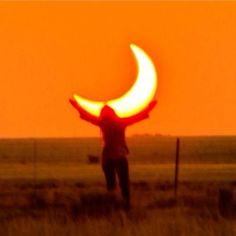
(132, 45)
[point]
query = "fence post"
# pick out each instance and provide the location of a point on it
(35, 161)
(177, 167)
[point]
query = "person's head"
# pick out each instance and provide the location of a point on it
(107, 113)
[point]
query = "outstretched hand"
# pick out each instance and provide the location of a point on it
(151, 105)
(75, 105)
(144, 114)
(83, 113)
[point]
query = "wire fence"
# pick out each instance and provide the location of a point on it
(72, 157)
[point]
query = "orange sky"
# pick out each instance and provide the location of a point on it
(51, 50)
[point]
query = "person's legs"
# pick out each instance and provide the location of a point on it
(123, 175)
(108, 167)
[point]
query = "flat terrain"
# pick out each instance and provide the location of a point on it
(48, 187)
(138, 172)
(143, 149)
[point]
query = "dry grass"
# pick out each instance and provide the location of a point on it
(73, 208)
(93, 174)
(62, 195)
(144, 149)
(167, 222)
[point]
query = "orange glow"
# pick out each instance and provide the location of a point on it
(137, 98)
(53, 49)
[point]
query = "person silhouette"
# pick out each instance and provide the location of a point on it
(115, 150)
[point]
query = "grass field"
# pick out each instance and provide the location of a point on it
(47, 187)
(143, 149)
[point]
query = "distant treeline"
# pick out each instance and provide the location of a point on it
(157, 149)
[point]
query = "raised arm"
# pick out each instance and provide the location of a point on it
(144, 114)
(84, 114)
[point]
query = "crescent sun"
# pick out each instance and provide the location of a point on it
(137, 97)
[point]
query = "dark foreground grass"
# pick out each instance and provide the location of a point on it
(76, 208)
(47, 188)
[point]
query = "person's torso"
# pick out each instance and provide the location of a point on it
(114, 138)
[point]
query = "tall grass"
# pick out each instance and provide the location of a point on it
(70, 208)
(60, 194)
(157, 222)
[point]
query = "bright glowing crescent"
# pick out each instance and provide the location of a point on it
(139, 95)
